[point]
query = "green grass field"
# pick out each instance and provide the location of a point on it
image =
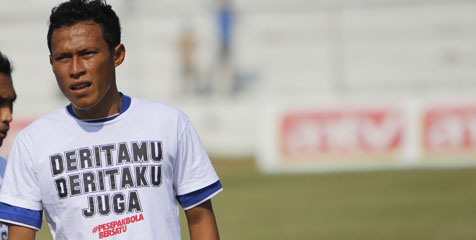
(402, 204)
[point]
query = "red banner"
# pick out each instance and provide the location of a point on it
(449, 129)
(342, 132)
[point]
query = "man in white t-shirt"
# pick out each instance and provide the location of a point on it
(107, 165)
(7, 96)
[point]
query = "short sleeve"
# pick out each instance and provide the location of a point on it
(193, 169)
(20, 184)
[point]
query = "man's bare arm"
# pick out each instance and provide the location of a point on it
(202, 223)
(20, 233)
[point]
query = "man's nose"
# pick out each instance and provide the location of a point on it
(5, 114)
(77, 68)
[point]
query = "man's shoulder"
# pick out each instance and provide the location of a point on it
(52, 117)
(46, 122)
(147, 106)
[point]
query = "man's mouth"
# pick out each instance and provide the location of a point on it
(80, 86)
(3, 134)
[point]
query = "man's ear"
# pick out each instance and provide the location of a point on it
(51, 63)
(119, 54)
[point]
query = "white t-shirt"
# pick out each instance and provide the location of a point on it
(3, 228)
(118, 179)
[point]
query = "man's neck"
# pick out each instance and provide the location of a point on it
(106, 107)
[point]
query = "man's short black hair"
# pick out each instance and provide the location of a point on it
(5, 65)
(74, 11)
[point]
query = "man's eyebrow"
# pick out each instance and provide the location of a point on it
(87, 49)
(61, 54)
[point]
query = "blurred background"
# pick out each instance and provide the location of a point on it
(299, 87)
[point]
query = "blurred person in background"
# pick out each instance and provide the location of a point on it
(7, 97)
(187, 45)
(107, 164)
(225, 18)
(223, 82)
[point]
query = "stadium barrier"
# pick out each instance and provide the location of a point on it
(363, 135)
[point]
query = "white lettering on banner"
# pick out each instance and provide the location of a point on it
(338, 137)
(303, 138)
(450, 129)
(446, 132)
(380, 135)
(342, 132)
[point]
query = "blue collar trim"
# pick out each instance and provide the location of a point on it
(126, 103)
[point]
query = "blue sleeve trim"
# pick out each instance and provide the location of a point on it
(23, 216)
(194, 197)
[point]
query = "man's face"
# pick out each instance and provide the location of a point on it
(84, 65)
(7, 96)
